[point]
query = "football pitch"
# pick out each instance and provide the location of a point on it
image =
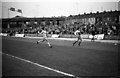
(23, 57)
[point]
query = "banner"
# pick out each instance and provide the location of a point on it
(85, 36)
(3, 34)
(19, 35)
(99, 36)
(90, 36)
(55, 36)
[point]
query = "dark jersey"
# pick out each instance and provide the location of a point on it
(93, 32)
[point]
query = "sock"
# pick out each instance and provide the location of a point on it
(48, 44)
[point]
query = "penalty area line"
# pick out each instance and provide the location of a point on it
(39, 65)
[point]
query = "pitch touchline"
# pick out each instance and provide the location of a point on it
(67, 74)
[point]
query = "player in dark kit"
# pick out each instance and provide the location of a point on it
(93, 35)
(79, 39)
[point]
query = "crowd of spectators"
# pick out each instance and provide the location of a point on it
(104, 28)
(100, 28)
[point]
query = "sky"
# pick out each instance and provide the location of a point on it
(50, 8)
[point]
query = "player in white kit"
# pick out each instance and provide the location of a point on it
(79, 39)
(45, 35)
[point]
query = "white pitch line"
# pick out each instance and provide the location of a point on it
(48, 68)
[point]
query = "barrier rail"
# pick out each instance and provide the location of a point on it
(84, 36)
